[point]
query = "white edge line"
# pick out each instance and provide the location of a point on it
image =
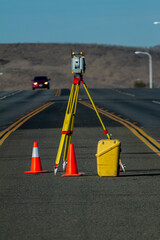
(156, 102)
(124, 93)
(11, 94)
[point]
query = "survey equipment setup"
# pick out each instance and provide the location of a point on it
(108, 150)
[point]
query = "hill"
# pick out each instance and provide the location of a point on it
(106, 66)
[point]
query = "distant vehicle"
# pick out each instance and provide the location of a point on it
(40, 82)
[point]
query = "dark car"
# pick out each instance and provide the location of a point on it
(40, 82)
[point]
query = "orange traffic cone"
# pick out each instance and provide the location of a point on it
(72, 170)
(36, 166)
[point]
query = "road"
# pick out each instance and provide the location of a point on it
(45, 206)
(139, 105)
(14, 104)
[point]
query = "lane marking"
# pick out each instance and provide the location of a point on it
(57, 93)
(144, 137)
(124, 93)
(156, 102)
(8, 130)
(12, 128)
(11, 94)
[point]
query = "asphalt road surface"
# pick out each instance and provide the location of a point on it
(45, 206)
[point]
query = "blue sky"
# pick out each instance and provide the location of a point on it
(111, 22)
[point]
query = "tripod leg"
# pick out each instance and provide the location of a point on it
(68, 137)
(85, 87)
(65, 128)
(70, 100)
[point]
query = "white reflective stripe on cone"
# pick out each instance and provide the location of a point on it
(35, 152)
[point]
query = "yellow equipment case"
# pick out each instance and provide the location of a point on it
(108, 152)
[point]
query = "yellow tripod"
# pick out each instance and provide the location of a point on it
(69, 119)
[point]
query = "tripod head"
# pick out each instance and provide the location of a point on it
(78, 63)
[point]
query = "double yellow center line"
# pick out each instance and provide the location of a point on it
(145, 138)
(5, 133)
(57, 93)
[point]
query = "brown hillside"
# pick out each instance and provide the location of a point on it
(106, 66)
